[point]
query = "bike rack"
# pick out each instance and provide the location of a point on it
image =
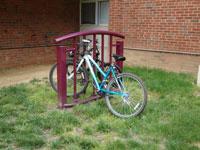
(61, 60)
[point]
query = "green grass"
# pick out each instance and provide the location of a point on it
(29, 118)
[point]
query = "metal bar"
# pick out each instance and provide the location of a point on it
(110, 47)
(88, 32)
(84, 49)
(120, 51)
(94, 56)
(89, 99)
(70, 49)
(102, 52)
(110, 52)
(94, 47)
(61, 76)
(74, 63)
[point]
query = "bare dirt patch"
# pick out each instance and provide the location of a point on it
(14, 76)
(197, 144)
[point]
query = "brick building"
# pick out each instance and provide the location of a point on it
(163, 34)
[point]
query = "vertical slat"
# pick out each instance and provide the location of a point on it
(94, 55)
(84, 49)
(120, 51)
(61, 75)
(74, 63)
(94, 46)
(102, 51)
(110, 47)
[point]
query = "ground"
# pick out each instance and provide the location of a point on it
(29, 118)
(23, 74)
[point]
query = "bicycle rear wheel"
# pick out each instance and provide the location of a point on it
(82, 79)
(134, 100)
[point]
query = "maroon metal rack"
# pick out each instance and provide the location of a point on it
(61, 60)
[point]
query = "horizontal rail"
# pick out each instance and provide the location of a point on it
(79, 101)
(88, 32)
(70, 49)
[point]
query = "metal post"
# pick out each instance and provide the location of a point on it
(94, 56)
(74, 63)
(61, 76)
(102, 51)
(120, 51)
(84, 49)
(110, 46)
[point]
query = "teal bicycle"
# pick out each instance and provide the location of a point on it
(125, 93)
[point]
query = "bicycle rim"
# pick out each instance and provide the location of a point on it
(82, 79)
(135, 99)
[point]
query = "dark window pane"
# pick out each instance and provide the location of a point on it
(88, 13)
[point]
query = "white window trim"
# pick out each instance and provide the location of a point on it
(96, 12)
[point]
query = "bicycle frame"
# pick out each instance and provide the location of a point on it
(100, 86)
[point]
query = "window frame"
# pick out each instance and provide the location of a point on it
(97, 11)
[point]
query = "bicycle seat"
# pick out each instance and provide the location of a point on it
(119, 57)
(86, 40)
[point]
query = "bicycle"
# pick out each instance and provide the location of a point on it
(125, 93)
(82, 73)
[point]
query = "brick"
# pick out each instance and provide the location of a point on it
(32, 24)
(160, 19)
(165, 61)
(170, 25)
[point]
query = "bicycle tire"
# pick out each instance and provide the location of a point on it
(53, 79)
(125, 100)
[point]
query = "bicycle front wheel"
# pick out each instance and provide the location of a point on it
(133, 100)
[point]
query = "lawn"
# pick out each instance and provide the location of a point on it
(29, 118)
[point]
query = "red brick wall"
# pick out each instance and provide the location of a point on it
(26, 56)
(32, 24)
(166, 61)
(170, 25)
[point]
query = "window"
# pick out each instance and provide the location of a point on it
(94, 12)
(88, 13)
(103, 12)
